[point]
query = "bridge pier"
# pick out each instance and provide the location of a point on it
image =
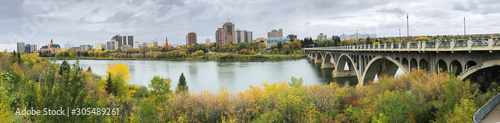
(318, 60)
(311, 58)
(326, 65)
(340, 74)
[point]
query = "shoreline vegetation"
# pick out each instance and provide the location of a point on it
(30, 82)
(255, 51)
(205, 57)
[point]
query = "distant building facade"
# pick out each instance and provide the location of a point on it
(20, 47)
(229, 27)
(321, 37)
(100, 46)
(85, 47)
(191, 38)
(275, 40)
(292, 37)
(50, 48)
(357, 36)
(243, 36)
(33, 48)
(207, 41)
(275, 33)
(27, 48)
(221, 36)
(110, 45)
(124, 40)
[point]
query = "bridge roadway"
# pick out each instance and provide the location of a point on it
(477, 60)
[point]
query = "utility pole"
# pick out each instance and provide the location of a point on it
(399, 33)
(357, 38)
(464, 28)
(407, 28)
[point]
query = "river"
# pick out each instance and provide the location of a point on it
(210, 75)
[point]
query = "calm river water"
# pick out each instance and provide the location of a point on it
(210, 75)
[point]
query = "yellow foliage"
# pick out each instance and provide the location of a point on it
(119, 70)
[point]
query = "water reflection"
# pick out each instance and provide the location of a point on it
(210, 75)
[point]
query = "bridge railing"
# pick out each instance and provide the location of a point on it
(423, 46)
(495, 41)
(461, 43)
(445, 44)
(486, 108)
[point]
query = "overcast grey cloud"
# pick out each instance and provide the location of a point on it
(94, 21)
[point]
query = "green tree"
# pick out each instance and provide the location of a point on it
(182, 85)
(160, 89)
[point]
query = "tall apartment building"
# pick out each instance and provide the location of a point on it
(20, 47)
(124, 40)
(275, 33)
(230, 32)
(321, 37)
(243, 36)
(220, 36)
(112, 45)
(33, 48)
(191, 38)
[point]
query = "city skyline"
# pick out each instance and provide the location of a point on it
(91, 22)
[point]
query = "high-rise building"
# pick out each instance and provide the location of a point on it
(124, 40)
(166, 42)
(27, 48)
(207, 41)
(321, 37)
(220, 36)
(292, 37)
(230, 30)
(100, 46)
(33, 48)
(85, 47)
(243, 36)
(110, 45)
(20, 47)
(275, 33)
(191, 38)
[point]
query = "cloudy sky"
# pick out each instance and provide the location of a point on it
(94, 21)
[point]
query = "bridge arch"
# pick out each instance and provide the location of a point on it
(413, 64)
(423, 64)
(470, 64)
(441, 65)
(379, 65)
(329, 58)
(483, 73)
(404, 62)
(318, 58)
(339, 71)
(458, 65)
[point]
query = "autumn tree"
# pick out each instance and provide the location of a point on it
(182, 85)
(119, 80)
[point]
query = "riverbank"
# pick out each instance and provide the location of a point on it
(207, 57)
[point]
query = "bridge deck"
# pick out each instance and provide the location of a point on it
(493, 116)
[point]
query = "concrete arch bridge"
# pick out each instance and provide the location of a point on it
(478, 61)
